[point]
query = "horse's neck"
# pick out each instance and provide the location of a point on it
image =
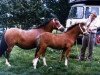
(47, 28)
(73, 33)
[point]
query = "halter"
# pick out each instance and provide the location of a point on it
(82, 29)
(58, 27)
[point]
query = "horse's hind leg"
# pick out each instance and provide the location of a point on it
(35, 60)
(67, 56)
(7, 56)
(42, 51)
(39, 52)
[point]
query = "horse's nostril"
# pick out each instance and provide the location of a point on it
(62, 29)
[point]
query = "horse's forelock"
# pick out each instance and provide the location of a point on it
(54, 20)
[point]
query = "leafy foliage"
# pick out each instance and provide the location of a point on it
(31, 12)
(60, 9)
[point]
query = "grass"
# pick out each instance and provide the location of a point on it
(21, 61)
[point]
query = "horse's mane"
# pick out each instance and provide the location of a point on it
(74, 25)
(45, 23)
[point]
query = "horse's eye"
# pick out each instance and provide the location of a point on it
(57, 23)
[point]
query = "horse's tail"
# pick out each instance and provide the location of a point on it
(3, 45)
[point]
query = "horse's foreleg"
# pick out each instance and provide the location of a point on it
(67, 56)
(35, 62)
(66, 61)
(43, 57)
(63, 54)
(44, 61)
(39, 51)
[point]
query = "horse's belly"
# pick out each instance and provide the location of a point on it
(29, 46)
(57, 46)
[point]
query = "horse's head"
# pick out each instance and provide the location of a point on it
(57, 25)
(83, 28)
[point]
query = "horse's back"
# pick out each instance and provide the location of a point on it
(12, 32)
(45, 36)
(52, 40)
(23, 38)
(19, 32)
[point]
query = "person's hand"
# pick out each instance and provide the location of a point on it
(89, 30)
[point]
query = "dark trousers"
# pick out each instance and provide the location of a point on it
(88, 42)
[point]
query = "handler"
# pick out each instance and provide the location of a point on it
(88, 41)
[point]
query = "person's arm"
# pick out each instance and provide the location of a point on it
(97, 23)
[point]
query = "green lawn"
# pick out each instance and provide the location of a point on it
(21, 61)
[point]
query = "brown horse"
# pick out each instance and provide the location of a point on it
(25, 38)
(58, 41)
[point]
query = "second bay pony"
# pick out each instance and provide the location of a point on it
(62, 41)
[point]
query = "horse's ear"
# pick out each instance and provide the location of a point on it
(53, 20)
(83, 23)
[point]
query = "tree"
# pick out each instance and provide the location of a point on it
(32, 12)
(60, 8)
(25, 12)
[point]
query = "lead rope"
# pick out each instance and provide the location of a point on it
(81, 29)
(77, 49)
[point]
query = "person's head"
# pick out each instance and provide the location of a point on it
(93, 15)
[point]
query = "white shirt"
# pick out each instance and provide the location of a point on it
(94, 24)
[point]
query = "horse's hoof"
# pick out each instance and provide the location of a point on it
(34, 67)
(45, 65)
(66, 66)
(8, 64)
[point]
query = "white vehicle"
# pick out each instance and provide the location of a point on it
(80, 13)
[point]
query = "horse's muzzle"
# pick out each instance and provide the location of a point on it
(85, 33)
(61, 29)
